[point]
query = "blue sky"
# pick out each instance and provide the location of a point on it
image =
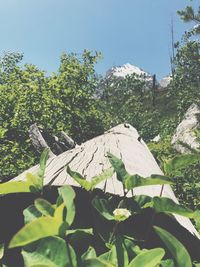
(134, 31)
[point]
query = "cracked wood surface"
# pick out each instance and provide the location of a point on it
(90, 159)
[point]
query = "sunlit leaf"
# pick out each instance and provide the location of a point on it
(50, 252)
(136, 180)
(148, 258)
(79, 179)
(177, 250)
(68, 195)
(35, 230)
(164, 204)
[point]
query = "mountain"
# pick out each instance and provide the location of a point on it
(165, 81)
(121, 72)
(128, 69)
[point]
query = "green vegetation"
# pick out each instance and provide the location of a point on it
(48, 237)
(84, 105)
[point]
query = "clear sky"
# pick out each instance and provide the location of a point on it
(125, 31)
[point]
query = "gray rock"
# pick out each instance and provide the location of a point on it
(185, 132)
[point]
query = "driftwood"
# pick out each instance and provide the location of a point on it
(37, 139)
(68, 140)
(90, 159)
(41, 139)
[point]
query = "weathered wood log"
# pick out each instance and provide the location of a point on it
(68, 140)
(90, 159)
(37, 139)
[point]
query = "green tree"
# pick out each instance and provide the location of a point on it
(186, 79)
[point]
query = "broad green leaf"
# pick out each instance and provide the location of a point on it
(117, 255)
(164, 204)
(118, 166)
(43, 161)
(35, 230)
(1, 250)
(71, 256)
(90, 185)
(89, 254)
(31, 213)
(131, 248)
(97, 263)
(103, 176)
(88, 231)
(102, 206)
(136, 180)
(148, 258)
(142, 200)
(16, 187)
(59, 213)
(178, 251)
(50, 251)
(44, 207)
(79, 179)
(68, 195)
(174, 166)
(31, 178)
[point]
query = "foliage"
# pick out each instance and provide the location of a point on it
(48, 237)
(186, 80)
(64, 101)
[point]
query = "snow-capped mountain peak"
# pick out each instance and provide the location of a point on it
(124, 70)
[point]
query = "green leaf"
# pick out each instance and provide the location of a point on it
(87, 185)
(103, 176)
(16, 187)
(88, 231)
(167, 263)
(68, 195)
(148, 258)
(1, 250)
(118, 166)
(136, 180)
(35, 230)
(50, 251)
(79, 179)
(164, 204)
(131, 248)
(44, 207)
(97, 263)
(90, 253)
(174, 166)
(43, 161)
(71, 256)
(142, 200)
(102, 206)
(175, 247)
(117, 255)
(31, 213)
(59, 213)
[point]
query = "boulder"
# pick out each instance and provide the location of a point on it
(185, 139)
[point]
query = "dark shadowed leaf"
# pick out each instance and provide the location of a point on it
(44, 207)
(102, 206)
